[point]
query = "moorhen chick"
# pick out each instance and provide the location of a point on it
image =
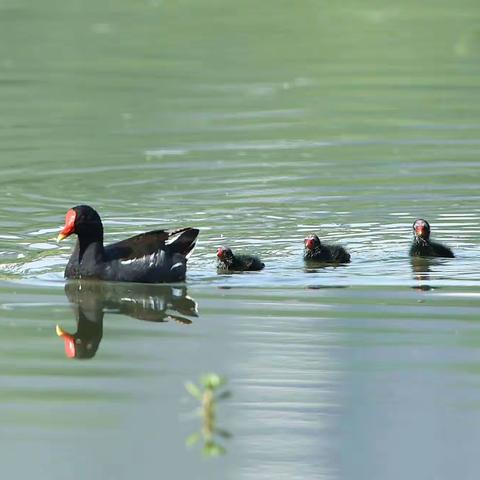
(152, 257)
(228, 262)
(316, 251)
(422, 246)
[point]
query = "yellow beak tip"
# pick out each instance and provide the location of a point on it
(59, 330)
(60, 237)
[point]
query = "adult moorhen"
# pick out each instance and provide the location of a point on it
(316, 251)
(152, 257)
(422, 246)
(228, 262)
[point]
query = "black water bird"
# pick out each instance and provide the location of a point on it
(228, 262)
(317, 251)
(152, 257)
(422, 246)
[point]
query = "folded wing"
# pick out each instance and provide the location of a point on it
(180, 241)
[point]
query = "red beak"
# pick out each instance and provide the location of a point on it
(69, 227)
(69, 339)
(309, 243)
(420, 230)
(220, 253)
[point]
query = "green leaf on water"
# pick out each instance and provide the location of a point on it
(212, 381)
(192, 439)
(193, 390)
(213, 450)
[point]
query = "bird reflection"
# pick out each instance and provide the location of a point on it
(90, 300)
(421, 269)
(317, 267)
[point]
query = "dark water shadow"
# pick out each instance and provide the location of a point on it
(91, 300)
(325, 287)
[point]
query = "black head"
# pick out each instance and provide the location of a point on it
(225, 255)
(83, 221)
(312, 242)
(421, 229)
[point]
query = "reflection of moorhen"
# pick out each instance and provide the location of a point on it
(421, 272)
(422, 246)
(228, 262)
(90, 300)
(152, 257)
(317, 251)
(421, 268)
(89, 315)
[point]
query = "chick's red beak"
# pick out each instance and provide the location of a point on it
(69, 340)
(69, 227)
(309, 243)
(220, 252)
(420, 230)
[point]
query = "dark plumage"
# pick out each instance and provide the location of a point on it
(227, 261)
(316, 251)
(422, 246)
(152, 257)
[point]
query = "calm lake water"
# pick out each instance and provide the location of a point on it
(257, 122)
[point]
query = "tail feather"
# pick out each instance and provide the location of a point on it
(184, 243)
